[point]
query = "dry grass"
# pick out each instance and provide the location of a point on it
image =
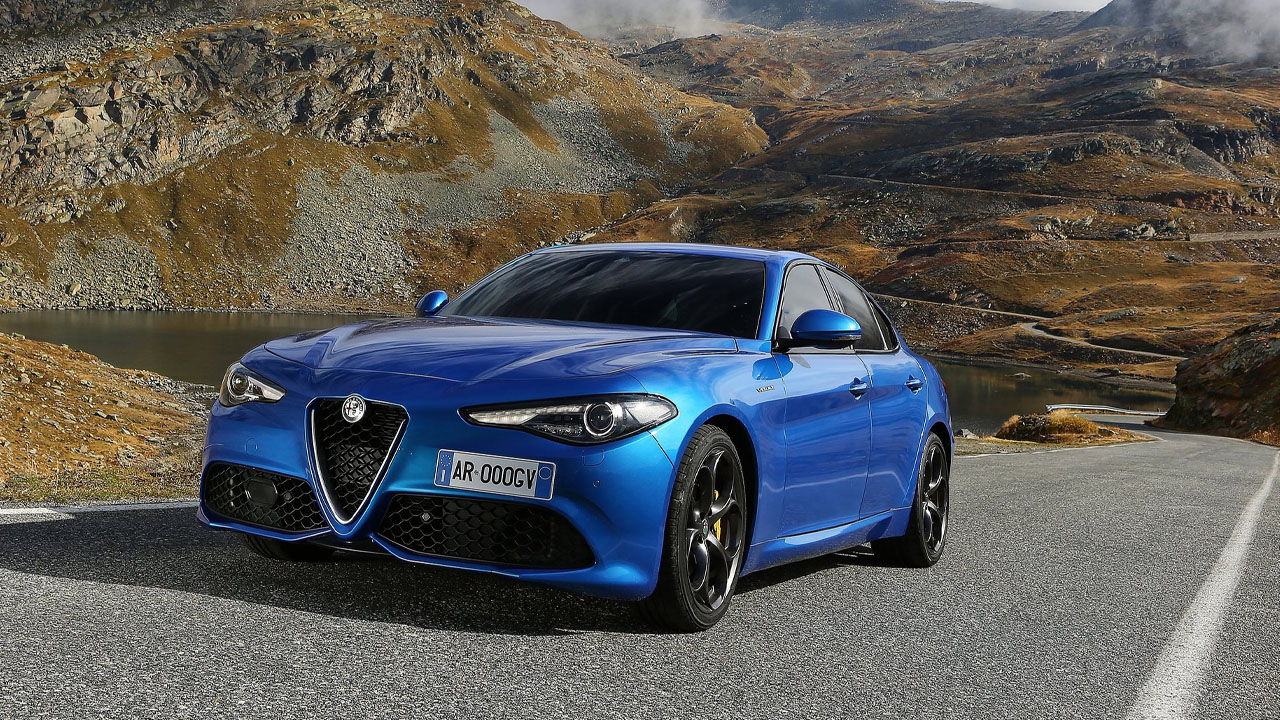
(79, 429)
(64, 487)
(1060, 428)
(1268, 437)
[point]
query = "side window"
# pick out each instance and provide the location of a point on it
(803, 292)
(886, 328)
(858, 307)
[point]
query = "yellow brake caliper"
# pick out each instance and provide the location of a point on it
(719, 536)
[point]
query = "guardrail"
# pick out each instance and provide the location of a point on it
(1106, 409)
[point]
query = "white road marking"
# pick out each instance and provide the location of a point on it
(1172, 692)
(28, 511)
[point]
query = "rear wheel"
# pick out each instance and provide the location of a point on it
(706, 533)
(288, 551)
(926, 536)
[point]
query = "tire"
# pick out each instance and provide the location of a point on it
(287, 551)
(704, 542)
(926, 536)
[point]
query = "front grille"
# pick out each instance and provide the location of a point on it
(351, 457)
(257, 497)
(487, 531)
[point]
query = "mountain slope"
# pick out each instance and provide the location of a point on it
(901, 24)
(331, 155)
(1129, 192)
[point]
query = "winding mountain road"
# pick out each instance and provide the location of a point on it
(1129, 581)
(1031, 328)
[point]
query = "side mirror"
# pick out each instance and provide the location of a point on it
(431, 303)
(826, 328)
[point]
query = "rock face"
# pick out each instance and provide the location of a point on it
(1233, 388)
(22, 16)
(331, 155)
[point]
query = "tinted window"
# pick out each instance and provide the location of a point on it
(660, 290)
(858, 307)
(886, 328)
(803, 292)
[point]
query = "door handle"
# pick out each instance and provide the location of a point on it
(914, 384)
(859, 387)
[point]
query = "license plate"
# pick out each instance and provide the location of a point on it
(495, 474)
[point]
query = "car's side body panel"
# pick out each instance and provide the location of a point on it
(745, 388)
(828, 440)
(897, 417)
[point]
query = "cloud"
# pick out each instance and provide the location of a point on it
(1235, 29)
(1078, 5)
(598, 17)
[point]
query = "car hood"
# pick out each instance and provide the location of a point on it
(466, 349)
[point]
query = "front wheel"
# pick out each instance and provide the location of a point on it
(926, 536)
(273, 549)
(705, 539)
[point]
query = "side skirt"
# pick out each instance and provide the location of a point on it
(779, 551)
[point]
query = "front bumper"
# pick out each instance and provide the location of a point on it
(615, 496)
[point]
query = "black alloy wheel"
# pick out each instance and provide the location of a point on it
(706, 536)
(926, 536)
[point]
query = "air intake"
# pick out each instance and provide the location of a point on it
(262, 499)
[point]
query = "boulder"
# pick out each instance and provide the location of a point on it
(1233, 388)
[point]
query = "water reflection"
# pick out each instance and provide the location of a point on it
(983, 396)
(198, 346)
(191, 346)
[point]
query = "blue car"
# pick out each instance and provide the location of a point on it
(644, 422)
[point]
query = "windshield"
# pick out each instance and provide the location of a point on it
(701, 293)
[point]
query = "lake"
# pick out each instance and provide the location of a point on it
(198, 347)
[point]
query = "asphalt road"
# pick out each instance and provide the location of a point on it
(1067, 592)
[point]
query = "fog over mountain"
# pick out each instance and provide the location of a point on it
(596, 17)
(1078, 5)
(1236, 29)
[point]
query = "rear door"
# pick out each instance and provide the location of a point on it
(897, 399)
(828, 423)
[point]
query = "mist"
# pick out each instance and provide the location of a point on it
(1077, 5)
(1232, 29)
(1240, 29)
(687, 18)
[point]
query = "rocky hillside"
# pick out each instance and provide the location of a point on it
(900, 24)
(76, 428)
(1087, 176)
(1233, 388)
(24, 18)
(331, 155)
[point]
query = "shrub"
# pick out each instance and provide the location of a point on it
(1055, 427)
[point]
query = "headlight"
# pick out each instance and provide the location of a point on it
(241, 385)
(585, 421)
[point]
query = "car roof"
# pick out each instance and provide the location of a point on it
(729, 251)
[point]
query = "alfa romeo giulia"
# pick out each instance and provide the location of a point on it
(645, 422)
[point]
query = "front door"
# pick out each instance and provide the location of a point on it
(897, 399)
(828, 421)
